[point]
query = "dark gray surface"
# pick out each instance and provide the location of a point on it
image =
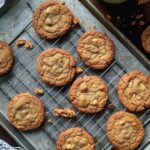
(24, 77)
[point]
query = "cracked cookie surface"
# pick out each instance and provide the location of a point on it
(89, 94)
(6, 58)
(125, 131)
(26, 112)
(75, 139)
(56, 66)
(96, 49)
(134, 91)
(52, 19)
(146, 39)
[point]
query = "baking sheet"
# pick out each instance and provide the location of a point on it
(24, 78)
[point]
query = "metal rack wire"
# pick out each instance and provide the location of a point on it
(24, 78)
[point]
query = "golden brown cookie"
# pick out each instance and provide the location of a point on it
(52, 19)
(56, 66)
(134, 91)
(125, 131)
(89, 94)
(26, 112)
(75, 139)
(96, 49)
(145, 37)
(6, 58)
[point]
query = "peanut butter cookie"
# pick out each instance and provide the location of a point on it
(89, 94)
(125, 131)
(145, 37)
(56, 66)
(6, 58)
(134, 91)
(26, 112)
(75, 139)
(96, 49)
(52, 19)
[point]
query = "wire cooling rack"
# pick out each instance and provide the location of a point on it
(24, 78)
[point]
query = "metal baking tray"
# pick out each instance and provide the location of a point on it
(24, 78)
(132, 47)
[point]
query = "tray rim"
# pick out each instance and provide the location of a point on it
(120, 36)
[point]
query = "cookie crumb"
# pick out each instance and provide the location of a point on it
(141, 23)
(108, 16)
(133, 23)
(24, 42)
(75, 20)
(141, 2)
(49, 121)
(39, 91)
(79, 70)
(65, 112)
(110, 106)
(139, 16)
(28, 44)
(118, 17)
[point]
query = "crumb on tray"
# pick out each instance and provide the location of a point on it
(79, 70)
(65, 112)
(39, 91)
(24, 42)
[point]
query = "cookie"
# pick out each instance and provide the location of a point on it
(75, 139)
(52, 20)
(145, 37)
(88, 94)
(6, 58)
(134, 91)
(26, 112)
(96, 49)
(56, 66)
(125, 131)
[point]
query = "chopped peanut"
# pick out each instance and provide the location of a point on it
(24, 42)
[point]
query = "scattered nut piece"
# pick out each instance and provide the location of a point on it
(141, 2)
(118, 17)
(39, 91)
(110, 106)
(28, 44)
(24, 42)
(133, 23)
(75, 20)
(139, 16)
(49, 121)
(141, 23)
(66, 112)
(79, 70)
(108, 16)
(20, 41)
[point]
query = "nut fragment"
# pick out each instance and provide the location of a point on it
(110, 106)
(24, 42)
(39, 91)
(65, 112)
(79, 70)
(49, 121)
(141, 2)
